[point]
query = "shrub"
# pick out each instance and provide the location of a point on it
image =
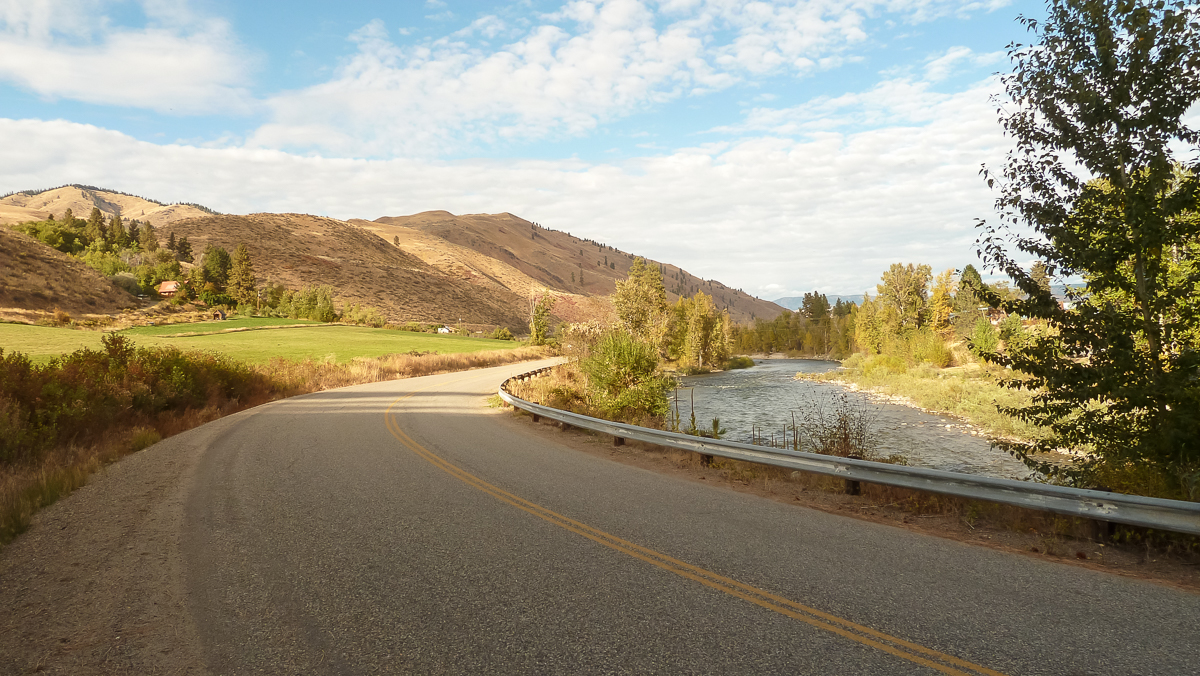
(984, 338)
(738, 363)
(927, 347)
(79, 397)
(363, 315)
(883, 364)
(502, 333)
(127, 282)
(623, 379)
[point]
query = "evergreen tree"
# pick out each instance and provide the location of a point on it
(172, 244)
(135, 233)
(183, 250)
(242, 283)
(216, 263)
(95, 230)
(118, 237)
(149, 239)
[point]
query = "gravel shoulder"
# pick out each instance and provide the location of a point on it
(96, 585)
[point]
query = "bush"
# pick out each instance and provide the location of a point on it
(738, 363)
(884, 364)
(927, 347)
(364, 315)
(127, 282)
(623, 380)
(502, 333)
(81, 396)
(984, 338)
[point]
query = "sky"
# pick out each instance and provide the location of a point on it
(779, 147)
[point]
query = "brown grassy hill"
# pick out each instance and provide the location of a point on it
(298, 250)
(35, 206)
(34, 276)
(548, 258)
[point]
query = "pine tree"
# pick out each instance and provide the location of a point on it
(118, 237)
(148, 239)
(172, 244)
(183, 250)
(94, 230)
(242, 282)
(135, 233)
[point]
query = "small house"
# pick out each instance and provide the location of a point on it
(443, 329)
(168, 288)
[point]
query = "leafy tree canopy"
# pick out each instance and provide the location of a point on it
(1093, 188)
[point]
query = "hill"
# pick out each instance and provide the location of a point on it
(35, 277)
(34, 205)
(547, 258)
(298, 250)
(428, 267)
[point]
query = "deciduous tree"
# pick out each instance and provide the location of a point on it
(1094, 188)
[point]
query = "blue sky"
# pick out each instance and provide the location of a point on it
(780, 147)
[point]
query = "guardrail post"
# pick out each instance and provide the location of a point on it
(853, 487)
(618, 441)
(536, 417)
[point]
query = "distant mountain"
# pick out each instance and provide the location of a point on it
(793, 302)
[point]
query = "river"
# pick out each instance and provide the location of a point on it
(762, 399)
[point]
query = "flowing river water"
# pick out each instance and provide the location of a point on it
(760, 401)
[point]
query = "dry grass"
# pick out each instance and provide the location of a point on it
(312, 376)
(27, 486)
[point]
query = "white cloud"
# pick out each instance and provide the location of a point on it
(178, 61)
(581, 66)
(829, 210)
(942, 66)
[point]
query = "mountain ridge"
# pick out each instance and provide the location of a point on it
(432, 266)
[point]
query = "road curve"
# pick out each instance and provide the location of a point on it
(403, 527)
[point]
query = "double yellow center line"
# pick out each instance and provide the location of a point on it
(946, 664)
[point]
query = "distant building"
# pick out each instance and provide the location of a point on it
(168, 289)
(443, 329)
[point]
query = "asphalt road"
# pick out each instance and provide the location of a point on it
(404, 527)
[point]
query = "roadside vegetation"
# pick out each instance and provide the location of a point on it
(63, 419)
(623, 369)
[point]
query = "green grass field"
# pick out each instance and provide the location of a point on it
(214, 326)
(339, 343)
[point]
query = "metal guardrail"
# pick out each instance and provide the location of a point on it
(1134, 510)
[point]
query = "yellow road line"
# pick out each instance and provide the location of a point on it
(855, 632)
